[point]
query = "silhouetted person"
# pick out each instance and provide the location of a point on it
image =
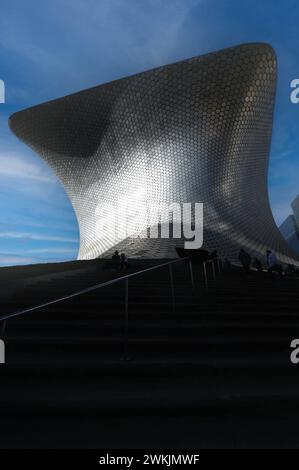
(124, 262)
(272, 263)
(245, 260)
(257, 264)
(291, 271)
(116, 260)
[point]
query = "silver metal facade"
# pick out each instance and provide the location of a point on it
(194, 131)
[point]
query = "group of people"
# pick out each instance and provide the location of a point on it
(272, 262)
(246, 261)
(120, 261)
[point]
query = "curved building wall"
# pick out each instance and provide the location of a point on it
(194, 131)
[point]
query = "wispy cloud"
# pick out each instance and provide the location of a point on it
(15, 166)
(13, 259)
(55, 251)
(65, 45)
(37, 236)
(7, 259)
(100, 35)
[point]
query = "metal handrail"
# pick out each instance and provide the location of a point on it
(219, 268)
(95, 287)
(205, 263)
(5, 318)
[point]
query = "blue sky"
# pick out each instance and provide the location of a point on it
(52, 48)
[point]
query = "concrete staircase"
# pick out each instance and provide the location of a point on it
(215, 372)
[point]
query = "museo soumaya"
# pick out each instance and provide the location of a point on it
(196, 131)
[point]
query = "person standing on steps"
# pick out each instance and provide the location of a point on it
(245, 260)
(116, 260)
(272, 263)
(291, 271)
(124, 262)
(257, 264)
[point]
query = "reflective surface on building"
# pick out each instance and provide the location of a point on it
(194, 131)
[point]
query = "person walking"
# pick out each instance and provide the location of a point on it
(272, 263)
(124, 262)
(116, 260)
(245, 260)
(257, 264)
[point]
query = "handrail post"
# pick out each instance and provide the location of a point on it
(126, 356)
(220, 265)
(3, 327)
(191, 273)
(213, 269)
(205, 274)
(171, 286)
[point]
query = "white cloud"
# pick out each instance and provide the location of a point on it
(7, 259)
(139, 35)
(15, 166)
(52, 250)
(37, 236)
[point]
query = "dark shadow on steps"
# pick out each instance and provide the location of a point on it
(216, 373)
